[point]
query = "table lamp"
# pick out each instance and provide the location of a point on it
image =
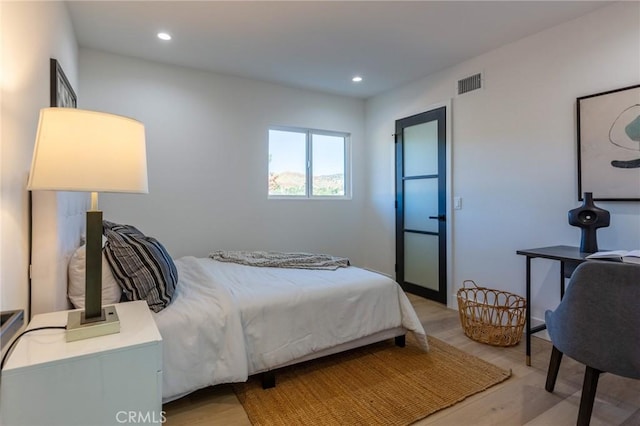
(89, 151)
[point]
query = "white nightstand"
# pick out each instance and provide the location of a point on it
(106, 380)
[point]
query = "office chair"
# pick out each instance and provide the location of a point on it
(598, 324)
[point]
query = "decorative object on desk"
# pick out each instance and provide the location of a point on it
(88, 151)
(589, 218)
(491, 316)
(609, 144)
(632, 256)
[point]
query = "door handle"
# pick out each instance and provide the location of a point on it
(441, 217)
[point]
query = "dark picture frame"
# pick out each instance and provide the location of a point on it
(61, 92)
(608, 133)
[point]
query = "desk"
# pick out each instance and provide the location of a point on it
(569, 258)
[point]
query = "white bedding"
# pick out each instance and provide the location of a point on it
(202, 339)
(228, 321)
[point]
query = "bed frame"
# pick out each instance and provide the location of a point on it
(268, 378)
(59, 228)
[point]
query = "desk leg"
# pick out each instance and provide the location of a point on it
(528, 313)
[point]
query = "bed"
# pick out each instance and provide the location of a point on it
(228, 321)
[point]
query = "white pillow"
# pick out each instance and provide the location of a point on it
(111, 291)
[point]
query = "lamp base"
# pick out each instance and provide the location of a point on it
(78, 328)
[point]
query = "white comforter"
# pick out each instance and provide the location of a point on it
(228, 320)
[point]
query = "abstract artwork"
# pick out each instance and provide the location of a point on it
(609, 144)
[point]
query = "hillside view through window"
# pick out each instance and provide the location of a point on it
(307, 163)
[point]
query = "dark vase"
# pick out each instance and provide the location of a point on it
(589, 218)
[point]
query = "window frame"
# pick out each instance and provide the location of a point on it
(309, 163)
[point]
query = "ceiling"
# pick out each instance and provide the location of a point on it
(318, 45)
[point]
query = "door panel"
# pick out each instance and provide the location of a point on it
(421, 260)
(420, 202)
(421, 149)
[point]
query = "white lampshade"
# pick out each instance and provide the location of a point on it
(79, 150)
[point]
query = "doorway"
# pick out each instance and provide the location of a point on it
(421, 192)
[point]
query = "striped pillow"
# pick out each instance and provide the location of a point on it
(121, 229)
(142, 267)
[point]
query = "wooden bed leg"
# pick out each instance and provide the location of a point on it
(401, 341)
(268, 380)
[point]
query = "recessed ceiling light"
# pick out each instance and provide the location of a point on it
(164, 36)
(356, 79)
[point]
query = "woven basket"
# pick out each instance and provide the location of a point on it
(491, 316)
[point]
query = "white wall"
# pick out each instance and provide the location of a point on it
(32, 32)
(207, 152)
(514, 155)
(514, 151)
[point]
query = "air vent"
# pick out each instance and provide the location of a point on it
(470, 83)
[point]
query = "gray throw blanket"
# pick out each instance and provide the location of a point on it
(281, 260)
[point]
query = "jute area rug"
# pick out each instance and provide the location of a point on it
(380, 384)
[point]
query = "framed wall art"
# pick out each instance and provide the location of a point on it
(62, 94)
(609, 144)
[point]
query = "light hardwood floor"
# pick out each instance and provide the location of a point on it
(520, 400)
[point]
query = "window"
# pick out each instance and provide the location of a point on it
(306, 163)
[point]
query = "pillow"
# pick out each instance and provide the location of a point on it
(111, 292)
(121, 229)
(142, 267)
